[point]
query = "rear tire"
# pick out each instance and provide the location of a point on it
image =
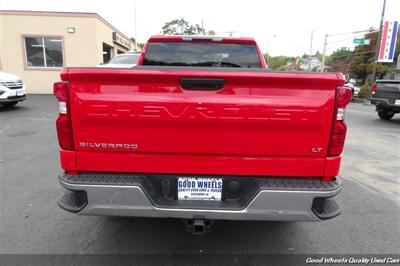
(386, 114)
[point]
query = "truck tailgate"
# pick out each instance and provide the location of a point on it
(388, 89)
(258, 123)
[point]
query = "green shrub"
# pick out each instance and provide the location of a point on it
(365, 91)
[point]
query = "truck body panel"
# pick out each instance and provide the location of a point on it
(388, 89)
(259, 120)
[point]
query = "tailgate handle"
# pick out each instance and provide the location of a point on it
(202, 84)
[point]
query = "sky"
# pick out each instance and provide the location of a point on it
(281, 27)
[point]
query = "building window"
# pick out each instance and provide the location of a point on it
(107, 53)
(44, 52)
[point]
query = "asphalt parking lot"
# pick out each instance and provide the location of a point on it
(31, 222)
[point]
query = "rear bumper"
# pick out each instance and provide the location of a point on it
(386, 103)
(263, 199)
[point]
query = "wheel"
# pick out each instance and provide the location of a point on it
(385, 114)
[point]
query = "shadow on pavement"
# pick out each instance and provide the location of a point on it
(162, 236)
(394, 121)
(12, 108)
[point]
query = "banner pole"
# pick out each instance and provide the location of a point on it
(378, 42)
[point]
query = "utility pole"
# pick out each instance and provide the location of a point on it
(202, 26)
(378, 42)
(135, 28)
(324, 53)
(309, 63)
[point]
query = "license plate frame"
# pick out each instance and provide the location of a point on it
(200, 188)
(397, 102)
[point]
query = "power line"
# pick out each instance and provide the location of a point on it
(339, 34)
(354, 32)
(342, 40)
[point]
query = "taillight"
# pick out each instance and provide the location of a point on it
(343, 96)
(373, 88)
(64, 132)
(61, 93)
(338, 134)
(64, 125)
(337, 138)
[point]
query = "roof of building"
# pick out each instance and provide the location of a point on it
(63, 14)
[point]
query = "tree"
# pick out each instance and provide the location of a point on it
(342, 54)
(339, 60)
(362, 59)
(340, 67)
(318, 55)
(140, 45)
(278, 63)
(182, 27)
(211, 33)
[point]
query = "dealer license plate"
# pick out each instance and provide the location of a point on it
(199, 188)
(397, 102)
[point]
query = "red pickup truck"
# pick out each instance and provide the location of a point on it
(201, 130)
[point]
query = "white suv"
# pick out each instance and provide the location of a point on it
(12, 90)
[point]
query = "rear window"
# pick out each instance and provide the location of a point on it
(125, 59)
(202, 55)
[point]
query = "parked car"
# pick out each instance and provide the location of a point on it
(386, 98)
(12, 90)
(122, 61)
(200, 130)
(355, 90)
